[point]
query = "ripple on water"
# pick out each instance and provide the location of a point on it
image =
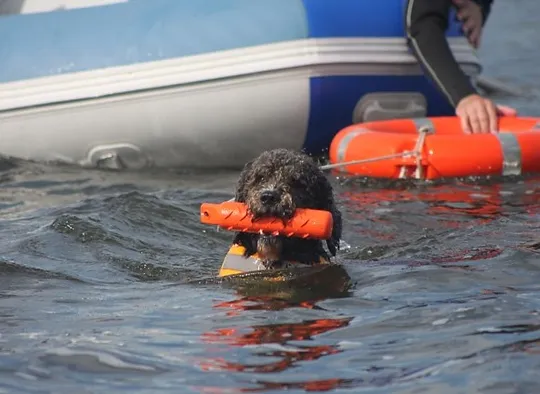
(109, 293)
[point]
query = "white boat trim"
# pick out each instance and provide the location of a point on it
(330, 56)
(10, 7)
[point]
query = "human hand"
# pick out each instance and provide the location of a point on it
(479, 115)
(470, 14)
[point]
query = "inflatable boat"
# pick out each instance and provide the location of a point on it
(131, 84)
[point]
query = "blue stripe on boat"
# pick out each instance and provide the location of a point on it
(361, 18)
(43, 44)
(354, 18)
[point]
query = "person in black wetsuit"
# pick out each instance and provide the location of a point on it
(426, 22)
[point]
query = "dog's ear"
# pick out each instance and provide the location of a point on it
(241, 184)
(334, 240)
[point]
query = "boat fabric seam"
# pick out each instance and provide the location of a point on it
(313, 53)
(385, 48)
(313, 73)
(393, 50)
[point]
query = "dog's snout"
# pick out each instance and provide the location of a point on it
(269, 196)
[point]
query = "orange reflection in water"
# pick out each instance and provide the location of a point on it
(260, 303)
(481, 202)
(310, 386)
(284, 355)
(275, 333)
(447, 206)
(314, 385)
(482, 206)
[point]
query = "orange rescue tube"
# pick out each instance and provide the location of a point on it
(234, 216)
(444, 150)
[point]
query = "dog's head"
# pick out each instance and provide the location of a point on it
(279, 181)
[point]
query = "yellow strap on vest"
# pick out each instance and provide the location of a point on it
(235, 262)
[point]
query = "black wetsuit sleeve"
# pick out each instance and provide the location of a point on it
(485, 5)
(426, 22)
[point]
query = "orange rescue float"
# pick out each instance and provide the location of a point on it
(431, 148)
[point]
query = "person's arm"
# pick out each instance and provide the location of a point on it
(426, 22)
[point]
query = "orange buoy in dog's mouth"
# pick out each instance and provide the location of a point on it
(235, 216)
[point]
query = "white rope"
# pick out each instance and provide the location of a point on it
(419, 172)
(416, 152)
(373, 159)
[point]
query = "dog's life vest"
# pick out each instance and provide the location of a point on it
(236, 263)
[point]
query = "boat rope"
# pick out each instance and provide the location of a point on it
(371, 160)
(416, 153)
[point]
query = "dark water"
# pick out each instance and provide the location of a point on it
(102, 280)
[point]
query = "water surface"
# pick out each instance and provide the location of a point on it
(103, 280)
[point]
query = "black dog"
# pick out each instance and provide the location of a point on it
(275, 184)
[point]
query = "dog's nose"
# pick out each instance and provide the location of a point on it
(269, 196)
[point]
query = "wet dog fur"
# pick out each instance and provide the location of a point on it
(275, 184)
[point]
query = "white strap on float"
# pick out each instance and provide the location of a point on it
(344, 143)
(512, 158)
(512, 161)
(424, 127)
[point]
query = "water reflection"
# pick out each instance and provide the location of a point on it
(481, 205)
(481, 202)
(314, 385)
(288, 354)
(406, 219)
(277, 342)
(281, 346)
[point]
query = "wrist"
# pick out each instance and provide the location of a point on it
(466, 98)
(463, 91)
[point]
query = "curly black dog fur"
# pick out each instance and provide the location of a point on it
(275, 184)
